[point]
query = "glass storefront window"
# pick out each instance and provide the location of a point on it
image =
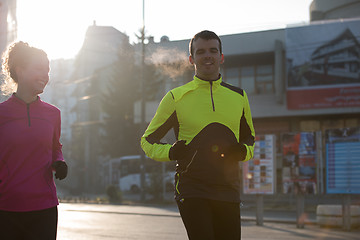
(255, 79)
(232, 76)
(264, 79)
(248, 79)
(248, 84)
(247, 71)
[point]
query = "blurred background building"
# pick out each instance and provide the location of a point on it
(8, 26)
(333, 9)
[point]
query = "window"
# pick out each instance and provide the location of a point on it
(264, 79)
(232, 76)
(248, 79)
(254, 79)
(247, 83)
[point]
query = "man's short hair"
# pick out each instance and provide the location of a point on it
(206, 35)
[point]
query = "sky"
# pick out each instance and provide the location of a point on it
(59, 26)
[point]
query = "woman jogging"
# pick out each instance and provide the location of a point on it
(30, 150)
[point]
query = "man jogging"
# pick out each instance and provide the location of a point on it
(214, 131)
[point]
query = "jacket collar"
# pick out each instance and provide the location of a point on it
(20, 101)
(200, 81)
(179, 92)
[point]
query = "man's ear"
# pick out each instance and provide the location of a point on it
(191, 60)
(222, 59)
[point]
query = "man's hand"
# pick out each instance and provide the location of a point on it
(178, 150)
(61, 169)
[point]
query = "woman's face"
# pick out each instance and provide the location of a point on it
(34, 76)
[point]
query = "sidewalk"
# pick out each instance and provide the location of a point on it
(247, 214)
(278, 216)
(285, 231)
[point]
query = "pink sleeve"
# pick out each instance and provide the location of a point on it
(57, 146)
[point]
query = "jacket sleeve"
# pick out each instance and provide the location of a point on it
(247, 132)
(57, 146)
(163, 121)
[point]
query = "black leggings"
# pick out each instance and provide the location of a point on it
(34, 225)
(206, 219)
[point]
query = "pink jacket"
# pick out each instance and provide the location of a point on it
(29, 144)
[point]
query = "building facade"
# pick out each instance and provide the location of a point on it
(76, 87)
(8, 27)
(334, 9)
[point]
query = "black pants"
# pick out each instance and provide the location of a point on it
(206, 219)
(34, 225)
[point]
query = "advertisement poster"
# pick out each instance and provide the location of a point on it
(343, 161)
(322, 61)
(259, 174)
(299, 163)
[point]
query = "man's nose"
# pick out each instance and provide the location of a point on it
(207, 54)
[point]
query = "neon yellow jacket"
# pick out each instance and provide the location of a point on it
(212, 117)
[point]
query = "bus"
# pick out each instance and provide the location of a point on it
(125, 172)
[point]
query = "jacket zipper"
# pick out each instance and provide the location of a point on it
(28, 113)
(211, 94)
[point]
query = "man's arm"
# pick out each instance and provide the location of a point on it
(247, 132)
(164, 119)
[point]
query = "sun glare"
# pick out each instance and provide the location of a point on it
(59, 26)
(49, 25)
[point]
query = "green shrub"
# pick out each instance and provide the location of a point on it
(114, 194)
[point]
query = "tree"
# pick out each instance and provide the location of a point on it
(120, 133)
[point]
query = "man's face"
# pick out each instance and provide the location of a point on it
(206, 58)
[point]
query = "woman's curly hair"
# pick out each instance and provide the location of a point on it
(17, 54)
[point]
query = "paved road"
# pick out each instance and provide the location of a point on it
(98, 222)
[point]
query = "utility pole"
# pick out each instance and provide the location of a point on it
(143, 104)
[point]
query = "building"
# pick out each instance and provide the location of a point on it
(337, 60)
(76, 86)
(8, 27)
(334, 9)
(8, 23)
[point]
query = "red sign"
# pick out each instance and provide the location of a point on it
(331, 97)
